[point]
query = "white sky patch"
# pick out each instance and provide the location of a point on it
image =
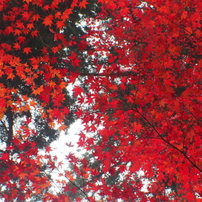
(60, 148)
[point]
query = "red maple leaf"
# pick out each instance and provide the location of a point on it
(4, 156)
(48, 20)
(27, 50)
(83, 4)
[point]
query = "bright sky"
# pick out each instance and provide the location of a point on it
(60, 149)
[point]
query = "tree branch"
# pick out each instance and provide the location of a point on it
(160, 135)
(117, 74)
(9, 115)
(166, 141)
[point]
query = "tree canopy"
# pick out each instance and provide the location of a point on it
(135, 70)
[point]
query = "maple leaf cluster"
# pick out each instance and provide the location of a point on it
(147, 100)
(38, 52)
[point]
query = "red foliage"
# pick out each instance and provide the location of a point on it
(141, 111)
(149, 102)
